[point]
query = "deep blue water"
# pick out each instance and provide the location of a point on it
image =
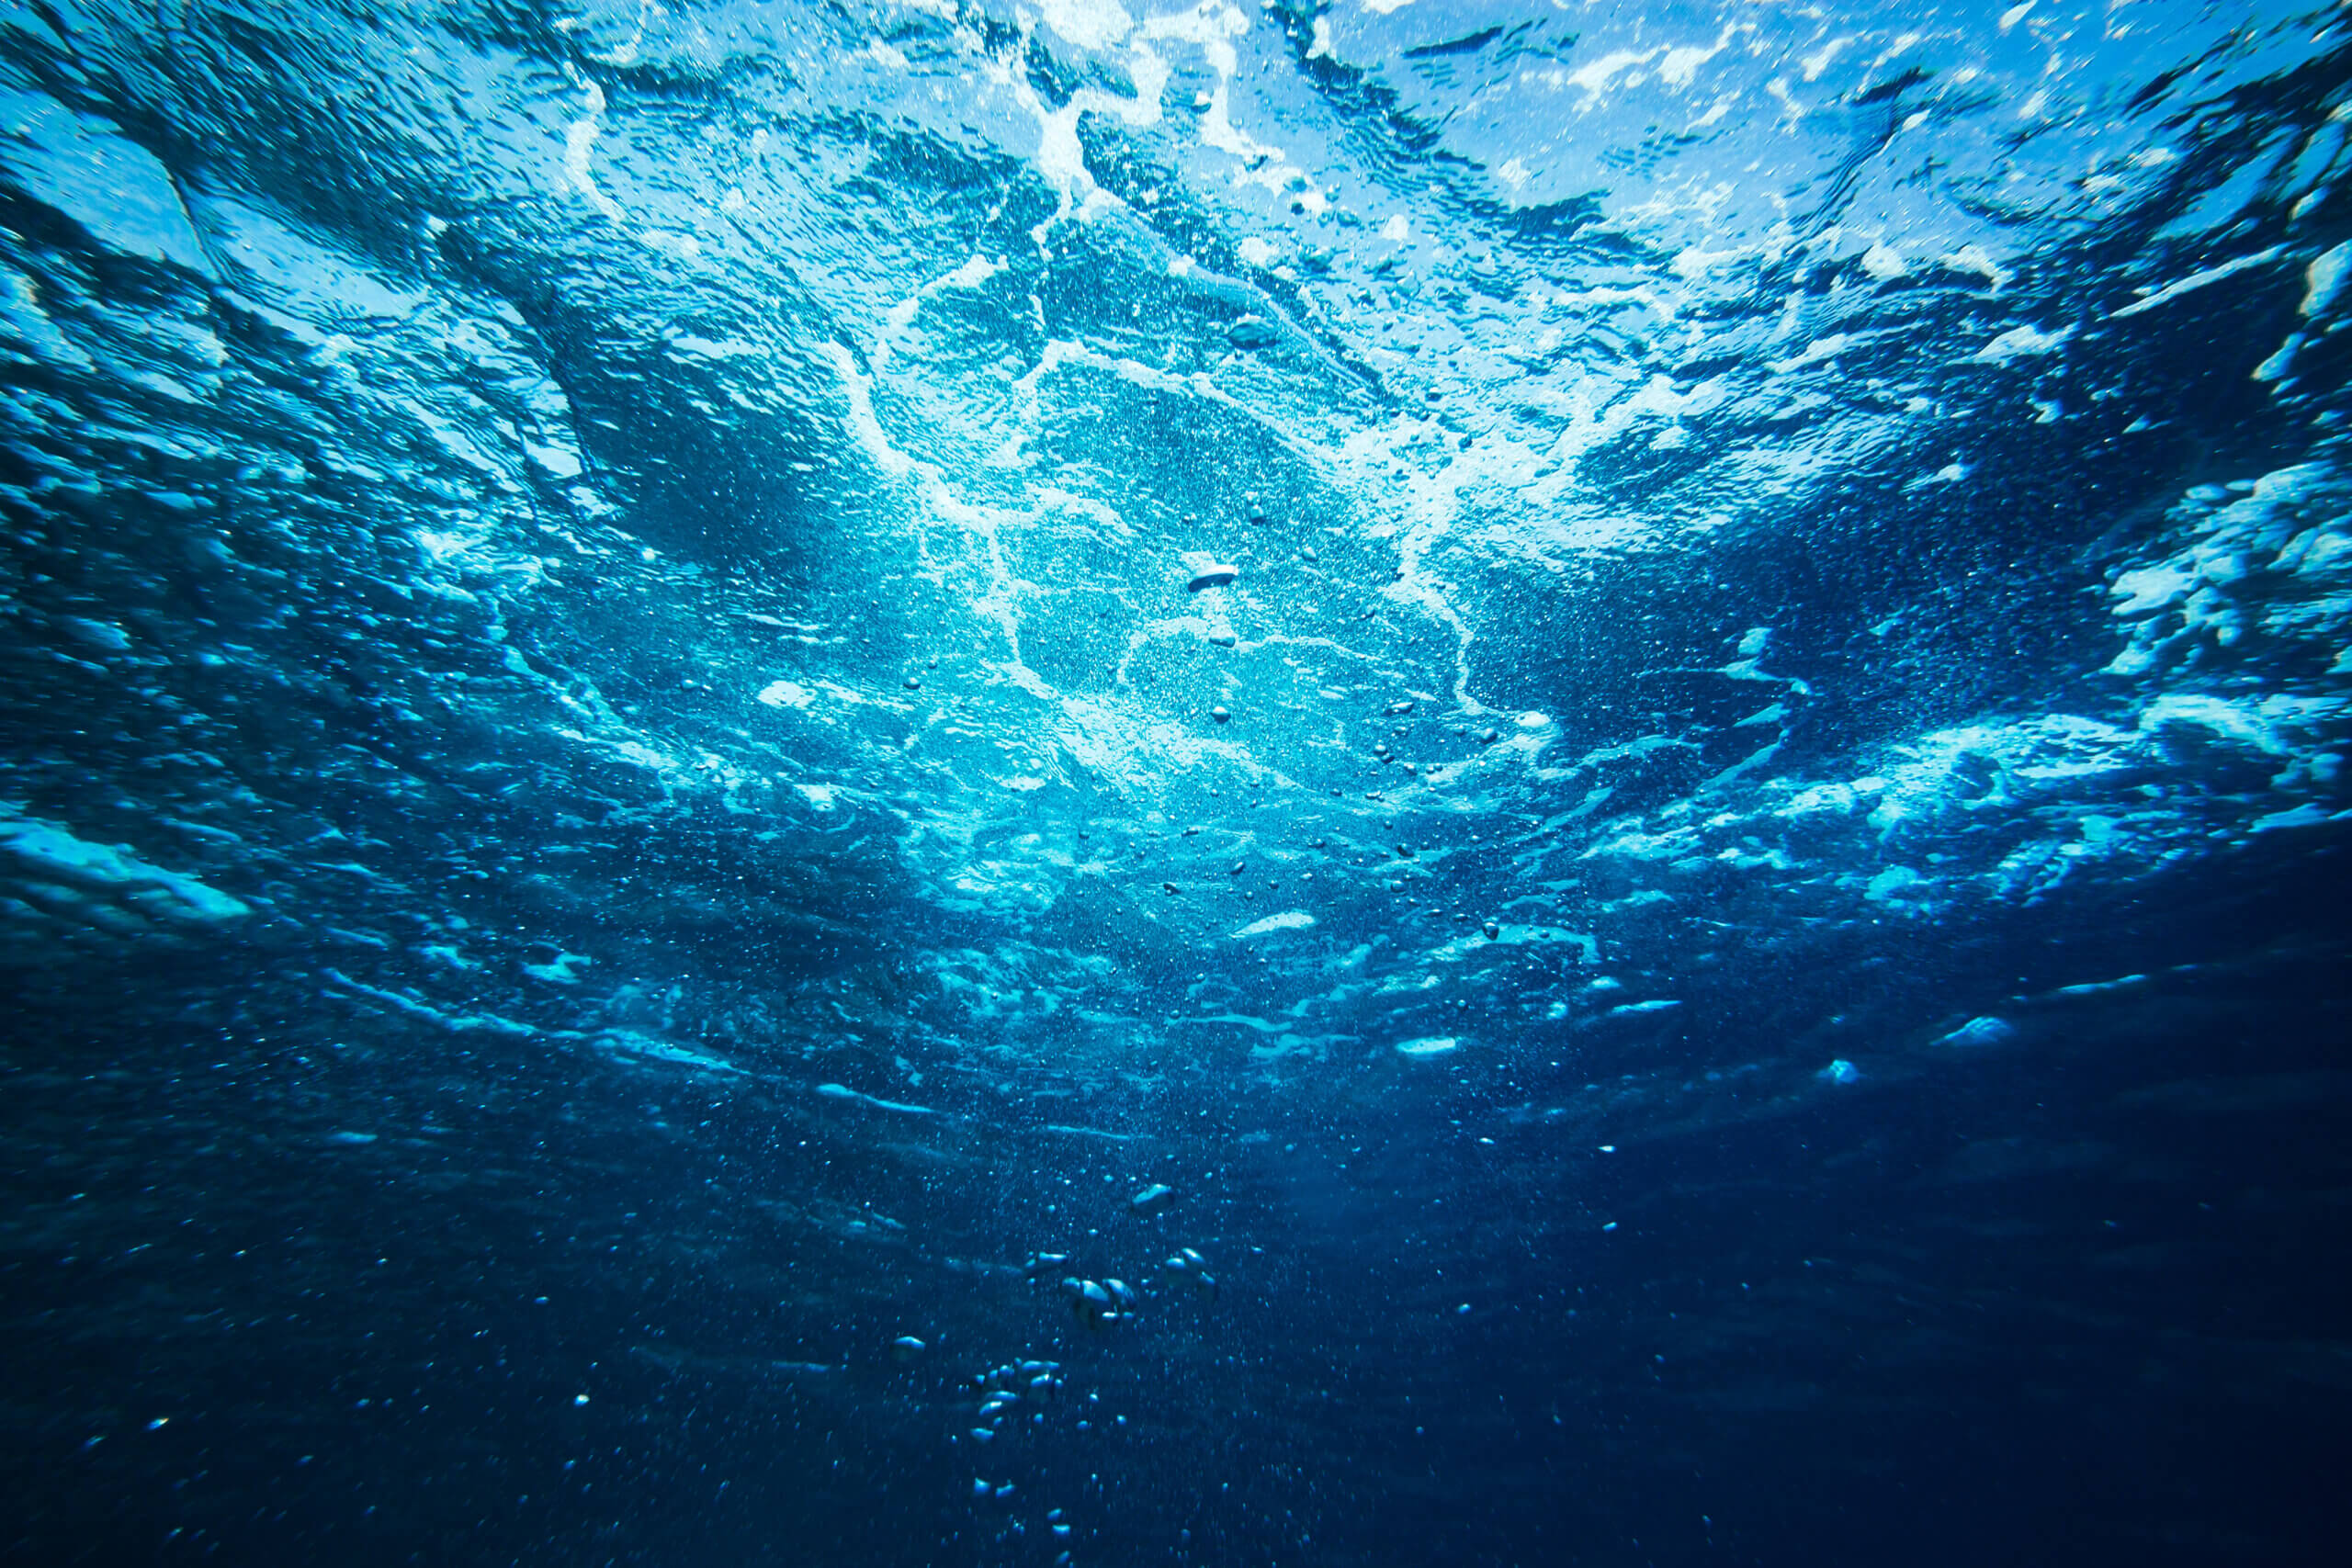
(714, 715)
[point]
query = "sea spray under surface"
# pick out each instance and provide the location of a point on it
(687, 685)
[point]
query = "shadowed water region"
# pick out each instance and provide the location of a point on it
(1106, 783)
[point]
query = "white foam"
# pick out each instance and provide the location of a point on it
(1594, 76)
(653, 1048)
(2195, 281)
(785, 695)
(2310, 814)
(1288, 920)
(1680, 66)
(579, 147)
(2220, 715)
(399, 1002)
(557, 971)
(2152, 588)
(842, 1092)
(1069, 1132)
(1976, 259)
(2324, 279)
(2020, 342)
(1090, 24)
(1884, 263)
(2101, 987)
(1986, 1031)
(1433, 1045)
(44, 852)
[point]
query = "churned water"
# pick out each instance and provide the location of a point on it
(1106, 781)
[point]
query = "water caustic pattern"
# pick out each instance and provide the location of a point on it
(995, 782)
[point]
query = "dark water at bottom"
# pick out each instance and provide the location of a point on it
(2076, 1297)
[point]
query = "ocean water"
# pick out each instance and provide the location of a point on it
(1416, 782)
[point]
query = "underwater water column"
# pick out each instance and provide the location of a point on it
(1111, 782)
